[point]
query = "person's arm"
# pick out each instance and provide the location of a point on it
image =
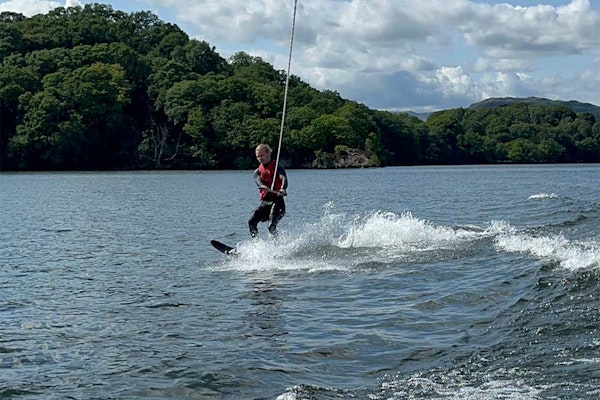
(284, 181)
(259, 181)
(256, 177)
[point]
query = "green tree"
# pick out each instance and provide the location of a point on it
(11, 38)
(360, 121)
(266, 99)
(444, 128)
(519, 150)
(47, 61)
(472, 147)
(14, 82)
(299, 144)
(144, 31)
(401, 138)
(200, 58)
(548, 150)
(255, 69)
(230, 137)
(522, 130)
(200, 151)
(158, 135)
(326, 131)
(31, 147)
(76, 122)
(85, 26)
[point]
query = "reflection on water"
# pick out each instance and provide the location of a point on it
(265, 319)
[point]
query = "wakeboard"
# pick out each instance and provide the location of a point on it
(223, 248)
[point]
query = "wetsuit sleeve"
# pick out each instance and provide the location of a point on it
(256, 177)
(283, 176)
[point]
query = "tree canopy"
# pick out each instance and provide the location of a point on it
(89, 87)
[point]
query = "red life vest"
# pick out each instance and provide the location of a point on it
(266, 176)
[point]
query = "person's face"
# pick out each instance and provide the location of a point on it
(263, 156)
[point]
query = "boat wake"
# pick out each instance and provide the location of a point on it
(346, 241)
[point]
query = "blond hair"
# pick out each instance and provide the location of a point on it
(264, 147)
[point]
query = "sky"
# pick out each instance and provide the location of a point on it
(401, 55)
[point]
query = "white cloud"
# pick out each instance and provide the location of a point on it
(29, 7)
(501, 84)
(376, 41)
(501, 64)
(453, 81)
(33, 7)
(505, 31)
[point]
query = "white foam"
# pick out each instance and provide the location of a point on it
(500, 227)
(543, 196)
(570, 255)
(496, 389)
(454, 387)
(340, 241)
(595, 360)
(270, 255)
(287, 396)
(386, 229)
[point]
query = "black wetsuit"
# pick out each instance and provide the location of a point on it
(271, 207)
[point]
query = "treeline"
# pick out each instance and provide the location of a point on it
(516, 133)
(88, 88)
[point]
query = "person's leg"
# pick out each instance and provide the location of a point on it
(277, 212)
(261, 214)
(253, 224)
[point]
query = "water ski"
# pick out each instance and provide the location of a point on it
(223, 248)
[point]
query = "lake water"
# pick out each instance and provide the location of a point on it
(475, 282)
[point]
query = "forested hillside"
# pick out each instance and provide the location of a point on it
(92, 88)
(574, 105)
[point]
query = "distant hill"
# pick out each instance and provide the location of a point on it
(576, 106)
(422, 116)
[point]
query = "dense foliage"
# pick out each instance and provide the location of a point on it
(85, 88)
